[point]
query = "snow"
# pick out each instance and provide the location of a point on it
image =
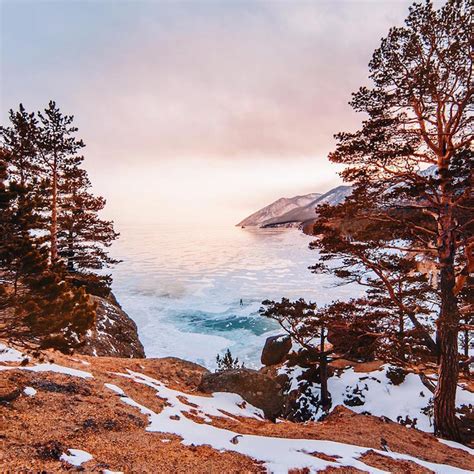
(60, 369)
(216, 405)
(83, 362)
(293, 373)
(278, 454)
(30, 391)
(7, 354)
(453, 444)
(382, 398)
(76, 457)
(374, 393)
(114, 388)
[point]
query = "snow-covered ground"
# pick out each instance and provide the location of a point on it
(375, 393)
(279, 455)
(182, 286)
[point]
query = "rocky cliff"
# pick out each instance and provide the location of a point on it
(114, 334)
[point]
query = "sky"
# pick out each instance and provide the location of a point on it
(198, 111)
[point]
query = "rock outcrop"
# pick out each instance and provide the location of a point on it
(114, 335)
(259, 389)
(276, 349)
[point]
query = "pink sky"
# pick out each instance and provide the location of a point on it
(200, 110)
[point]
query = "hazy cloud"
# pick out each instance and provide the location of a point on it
(208, 84)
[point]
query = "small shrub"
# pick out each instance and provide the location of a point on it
(227, 362)
(396, 375)
(50, 450)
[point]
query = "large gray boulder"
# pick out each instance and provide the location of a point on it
(259, 389)
(276, 349)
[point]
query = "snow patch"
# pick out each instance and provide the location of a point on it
(30, 391)
(7, 354)
(76, 457)
(373, 392)
(219, 404)
(409, 402)
(52, 368)
(278, 454)
(453, 444)
(114, 388)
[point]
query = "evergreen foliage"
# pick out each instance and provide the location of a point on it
(227, 362)
(419, 115)
(406, 232)
(52, 238)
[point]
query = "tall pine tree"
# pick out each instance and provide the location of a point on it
(83, 237)
(419, 114)
(37, 305)
(39, 172)
(57, 148)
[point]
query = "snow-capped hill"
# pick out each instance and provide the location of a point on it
(334, 196)
(278, 208)
(308, 212)
(288, 211)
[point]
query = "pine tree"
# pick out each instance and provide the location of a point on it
(398, 296)
(78, 236)
(227, 362)
(37, 304)
(20, 139)
(5, 232)
(308, 326)
(17, 220)
(52, 312)
(57, 148)
(419, 113)
(83, 237)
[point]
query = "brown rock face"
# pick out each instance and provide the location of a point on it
(276, 349)
(115, 334)
(255, 387)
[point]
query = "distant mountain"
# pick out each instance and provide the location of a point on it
(294, 211)
(278, 208)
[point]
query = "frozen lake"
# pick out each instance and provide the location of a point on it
(182, 285)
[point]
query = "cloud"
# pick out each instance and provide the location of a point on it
(258, 80)
(209, 107)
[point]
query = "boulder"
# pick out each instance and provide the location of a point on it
(114, 334)
(257, 388)
(276, 349)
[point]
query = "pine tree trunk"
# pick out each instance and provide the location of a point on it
(54, 216)
(447, 337)
(70, 255)
(323, 375)
(466, 342)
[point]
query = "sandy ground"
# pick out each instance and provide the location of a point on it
(70, 412)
